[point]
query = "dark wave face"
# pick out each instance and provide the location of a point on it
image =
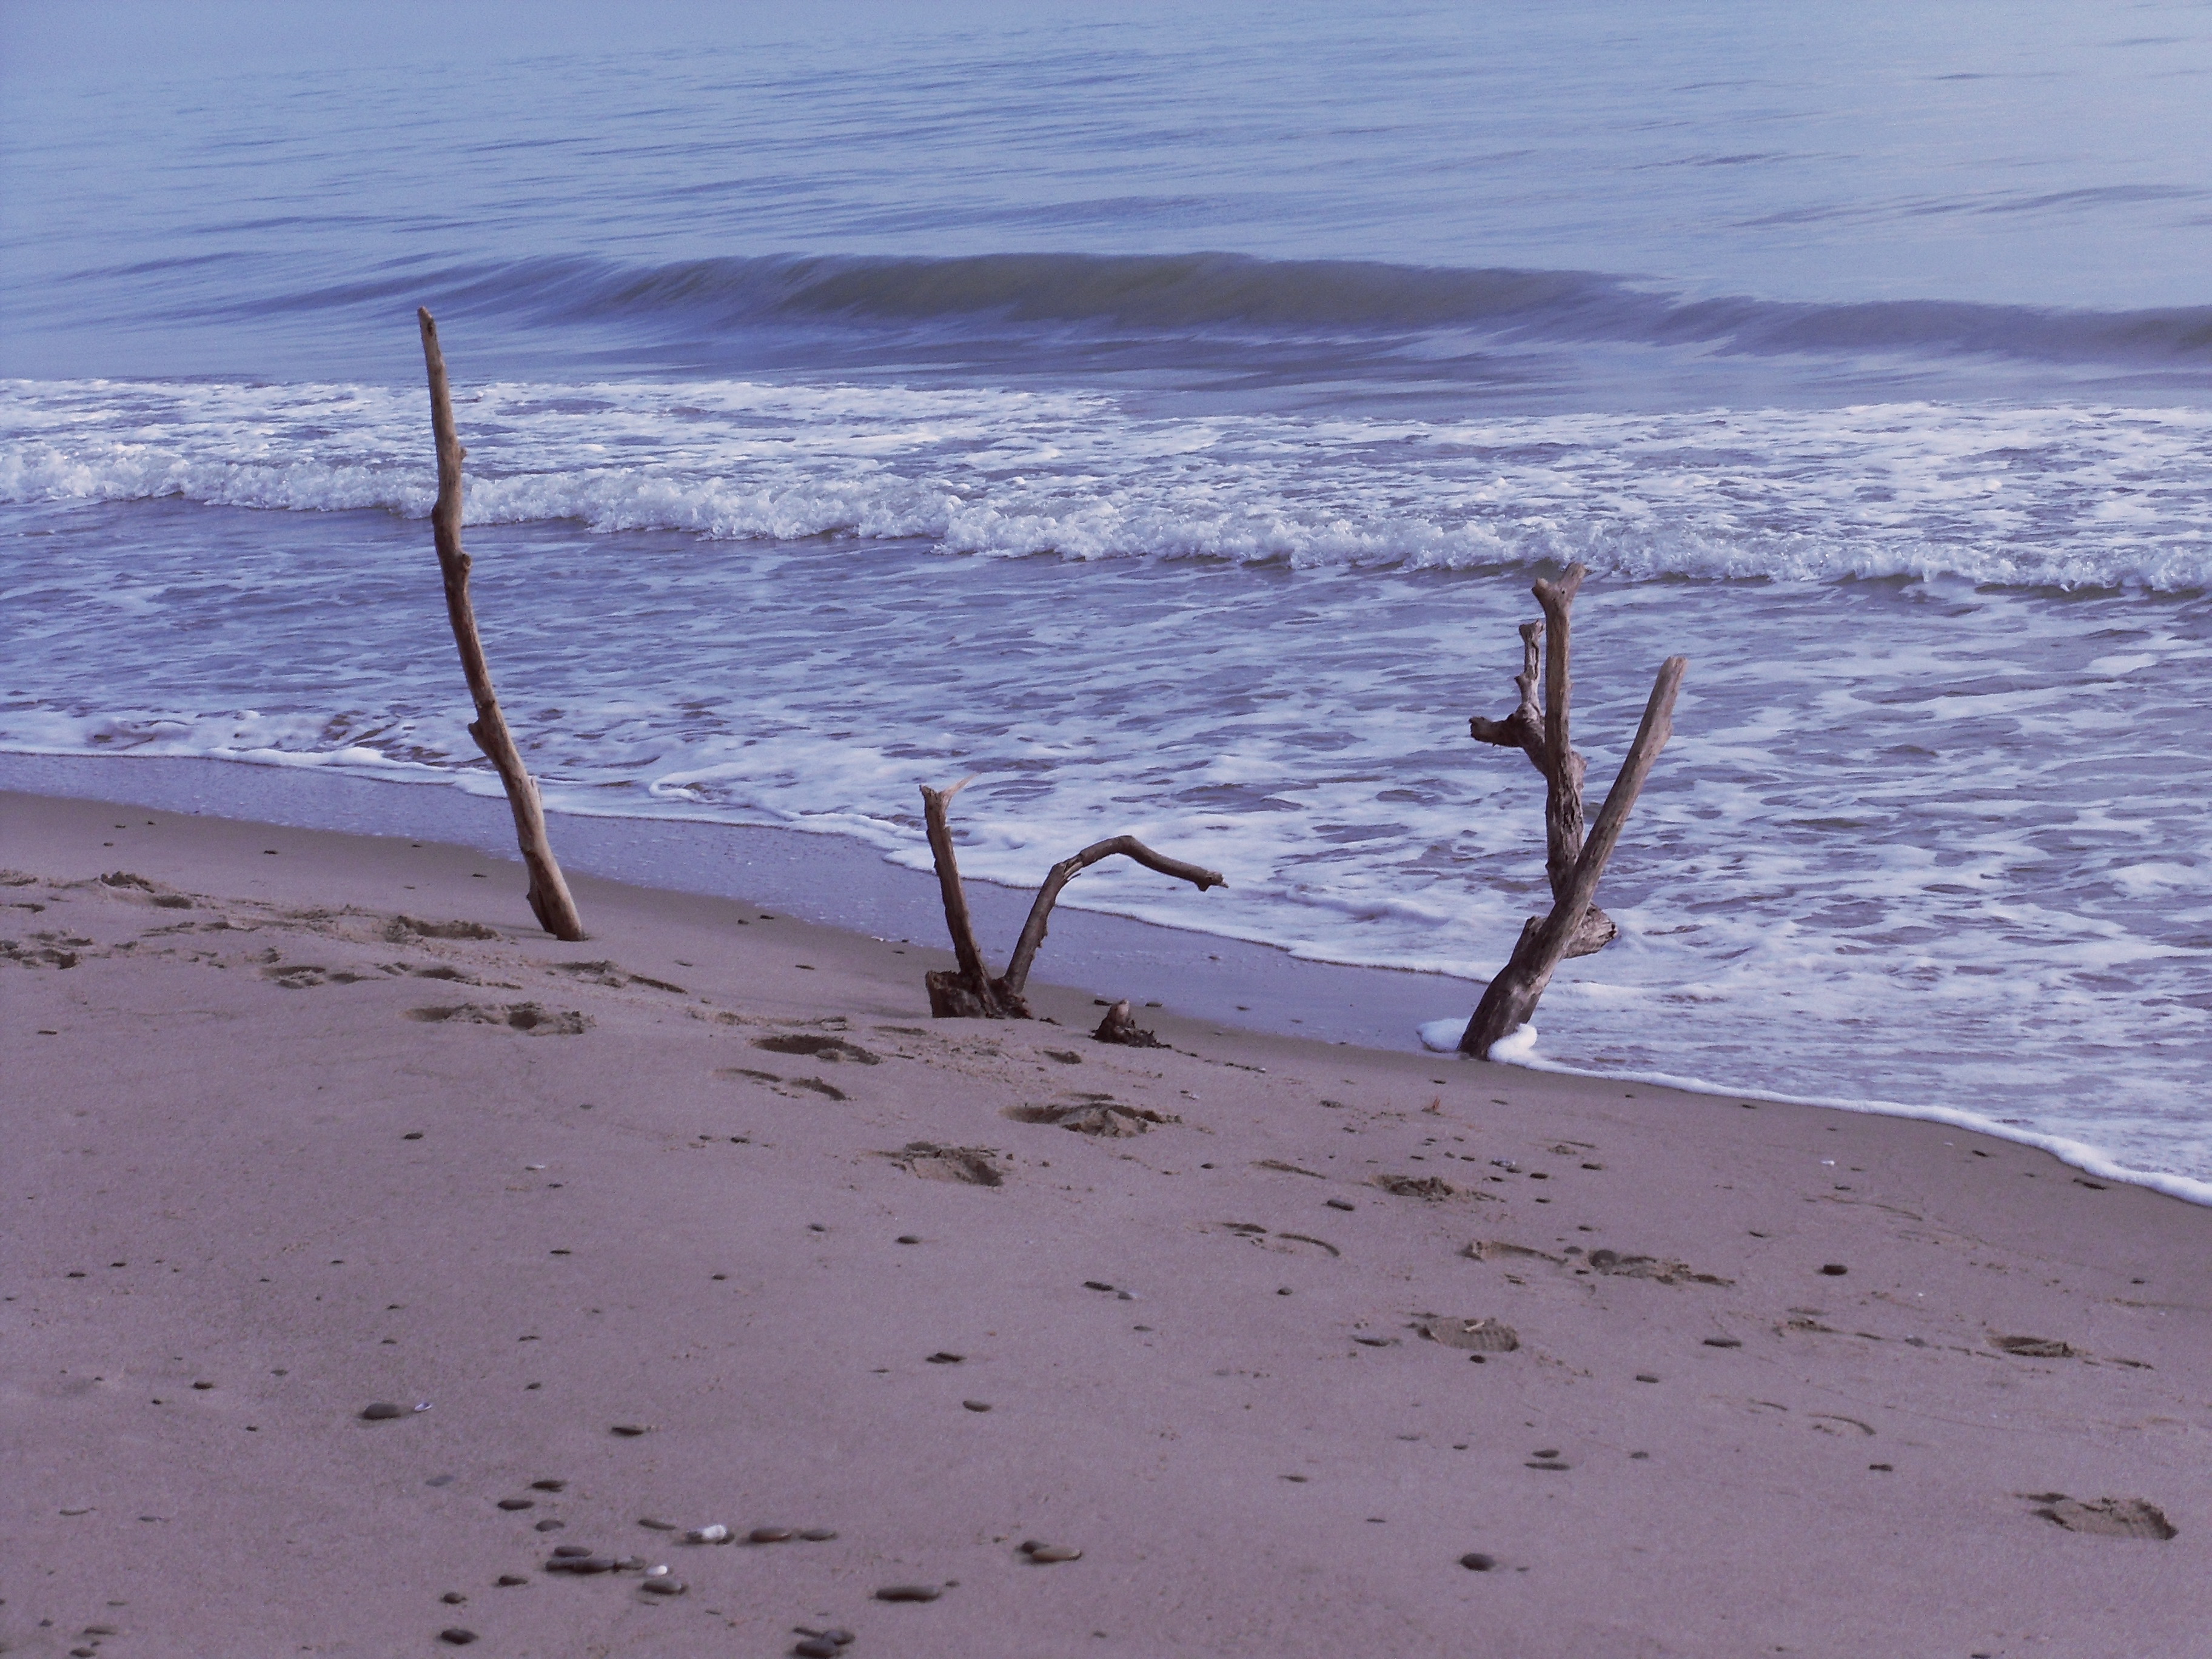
(1538, 337)
(1215, 293)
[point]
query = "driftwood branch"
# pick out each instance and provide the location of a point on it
(1033, 931)
(1512, 996)
(1541, 727)
(550, 899)
(969, 990)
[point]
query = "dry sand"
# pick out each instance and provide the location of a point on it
(257, 1177)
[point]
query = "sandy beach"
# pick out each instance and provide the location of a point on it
(1291, 1347)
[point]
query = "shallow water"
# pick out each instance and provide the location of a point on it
(857, 409)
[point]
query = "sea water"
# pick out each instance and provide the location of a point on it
(1161, 414)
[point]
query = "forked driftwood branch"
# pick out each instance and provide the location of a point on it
(1541, 727)
(969, 990)
(549, 898)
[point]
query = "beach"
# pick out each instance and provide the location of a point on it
(1300, 1347)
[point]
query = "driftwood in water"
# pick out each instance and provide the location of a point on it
(550, 899)
(1573, 864)
(969, 990)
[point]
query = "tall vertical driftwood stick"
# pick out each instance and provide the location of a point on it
(1541, 727)
(968, 992)
(1512, 996)
(549, 898)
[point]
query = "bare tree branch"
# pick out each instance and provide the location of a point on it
(969, 992)
(1512, 996)
(550, 899)
(1033, 931)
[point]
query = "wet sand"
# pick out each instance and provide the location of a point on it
(276, 1153)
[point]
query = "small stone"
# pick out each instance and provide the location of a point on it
(1341, 1204)
(664, 1587)
(1834, 1269)
(627, 1430)
(1723, 1342)
(1645, 1377)
(548, 1486)
(656, 1523)
(1050, 1553)
(457, 1637)
(976, 1405)
(549, 1524)
(908, 1593)
(819, 1535)
(817, 1647)
(510, 1580)
(942, 1357)
(714, 1534)
(907, 1238)
(562, 1552)
(769, 1536)
(518, 1502)
(1096, 1284)
(584, 1564)
(382, 1411)
(1476, 1561)
(452, 1598)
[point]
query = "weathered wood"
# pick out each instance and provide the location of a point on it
(1541, 728)
(1512, 996)
(1564, 768)
(968, 992)
(550, 899)
(1128, 846)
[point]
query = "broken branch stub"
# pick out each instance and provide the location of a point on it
(1511, 997)
(550, 899)
(969, 990)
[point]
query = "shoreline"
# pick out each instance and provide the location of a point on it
(844, 882)
(283, 1153)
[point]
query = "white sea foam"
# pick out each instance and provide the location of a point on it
(2067, 496)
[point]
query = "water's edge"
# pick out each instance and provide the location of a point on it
(832, 881)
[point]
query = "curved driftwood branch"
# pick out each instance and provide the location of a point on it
(1512, 996)
(1128, 846)
(550, 899)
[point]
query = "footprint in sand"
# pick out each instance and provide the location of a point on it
(530, 1018)
(2105, 1518)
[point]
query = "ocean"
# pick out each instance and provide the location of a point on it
(1160, 413)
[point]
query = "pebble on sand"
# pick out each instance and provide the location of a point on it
(664, 1587)
(976, 1405)
(769, 1536)
(1047, 1554)
(1476, 1561)
(456, 1636)
(381, 1411)
(714, 1534)
(627, 1430)
(908, 1593)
